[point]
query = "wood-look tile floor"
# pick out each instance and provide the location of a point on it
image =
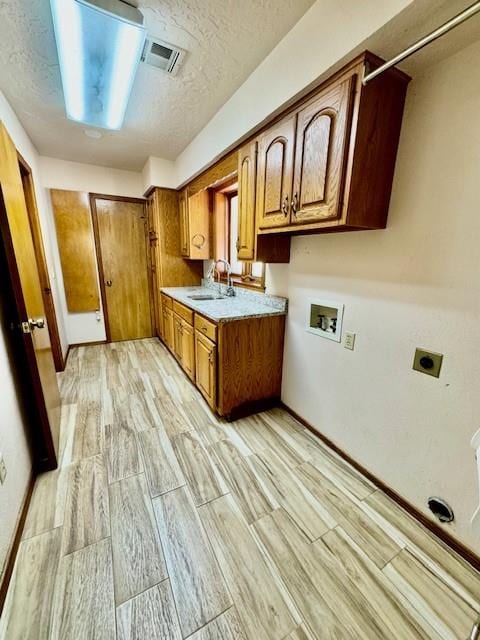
(163, 522)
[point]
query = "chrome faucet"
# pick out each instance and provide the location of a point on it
(230, 290)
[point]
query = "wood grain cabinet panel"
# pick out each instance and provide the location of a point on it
(322, 135)
(195, 225)
(183, 204)
(247, 160)
(177, 337)
(274, 174)
(168, 328)
(206, 367)
(169, 268)
(73, 223)
(188, 349)
(206, 327)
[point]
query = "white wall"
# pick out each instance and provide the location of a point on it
(416, 284)
(159, 172)
(75, 176)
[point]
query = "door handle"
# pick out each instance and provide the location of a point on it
(108, 283)
(285, 206)
(32, 324)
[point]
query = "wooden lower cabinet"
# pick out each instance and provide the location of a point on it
(206, 367)
(236, 366)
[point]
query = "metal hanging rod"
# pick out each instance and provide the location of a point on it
(445, 28)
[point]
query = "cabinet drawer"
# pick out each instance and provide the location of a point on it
(183, 311)
(166, 301)
(206, 327)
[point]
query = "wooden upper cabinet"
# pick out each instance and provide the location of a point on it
(323, 128)
(195, 225)
(275, 173)
(247, 160)
(329, 164)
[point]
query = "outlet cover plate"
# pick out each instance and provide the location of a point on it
(349, 342)
(428, 362)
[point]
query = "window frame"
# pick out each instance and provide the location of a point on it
(222, 246)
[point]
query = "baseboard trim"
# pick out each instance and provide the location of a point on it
(12, 554)
(85, 344)
(458, 547)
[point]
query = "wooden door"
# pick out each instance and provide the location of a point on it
(183, 209)
(322, 136)
(177, 337)
(275, 173)
(247, 161)
(206, 368)
(188, 349)
(18, 243)
(121, 232)
(47, 295)
(168, 327)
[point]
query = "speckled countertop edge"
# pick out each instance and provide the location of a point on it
(229, 308)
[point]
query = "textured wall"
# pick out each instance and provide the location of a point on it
(414, 284)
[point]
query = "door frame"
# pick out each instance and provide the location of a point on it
(98, 249)
(38, 245)
(44, 457)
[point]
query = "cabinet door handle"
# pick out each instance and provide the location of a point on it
(198, 240)
(285, 206)
(210, 356)
(238, 244)
(294, 203)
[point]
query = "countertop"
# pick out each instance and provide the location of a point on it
(242, 305)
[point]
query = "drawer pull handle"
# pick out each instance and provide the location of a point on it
(204, 328)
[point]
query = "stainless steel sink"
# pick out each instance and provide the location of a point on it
(206, 296)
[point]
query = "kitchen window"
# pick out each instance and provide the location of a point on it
(244, 273)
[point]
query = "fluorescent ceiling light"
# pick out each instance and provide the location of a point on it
(99, 43)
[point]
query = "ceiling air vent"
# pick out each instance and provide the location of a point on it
(163, 55)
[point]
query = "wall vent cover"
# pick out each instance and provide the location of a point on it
(162, 55)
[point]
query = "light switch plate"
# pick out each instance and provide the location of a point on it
(3, 470)
(349, 340)
(428, 362)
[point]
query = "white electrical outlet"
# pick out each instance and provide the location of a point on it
(3, 469)
(349, 340)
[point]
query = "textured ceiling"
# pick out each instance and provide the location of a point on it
(225, 41)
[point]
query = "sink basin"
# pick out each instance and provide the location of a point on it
(206, 296)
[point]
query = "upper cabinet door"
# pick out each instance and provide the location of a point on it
(247, 161)
(275, 170)
(322, 137)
